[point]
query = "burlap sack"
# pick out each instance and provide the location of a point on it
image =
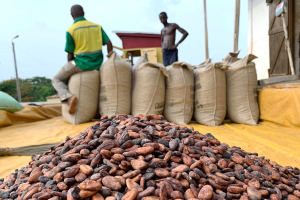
(85, 86)
(210, 94)
(207, 61)
(115, 86)
(231, 57)
(179, 104)
(242, 105)
(148, 94)
(142, 60)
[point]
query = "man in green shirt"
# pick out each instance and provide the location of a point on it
(84, 40)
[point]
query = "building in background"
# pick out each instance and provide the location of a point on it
(135, 44)
(266, 37)
(53, 98)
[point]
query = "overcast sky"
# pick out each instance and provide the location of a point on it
(42, 27)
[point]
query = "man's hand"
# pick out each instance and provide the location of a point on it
(70, 56)
(184, 32)
(173, 48)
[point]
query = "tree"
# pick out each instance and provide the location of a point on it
(32, 89)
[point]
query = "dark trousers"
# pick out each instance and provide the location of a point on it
(169, 56)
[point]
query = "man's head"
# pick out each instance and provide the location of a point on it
(163, 18)
(77, 11)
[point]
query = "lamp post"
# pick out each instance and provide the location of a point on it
(17, 78)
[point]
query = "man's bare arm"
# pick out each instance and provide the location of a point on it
(70, 56)
(109, 46)
(185, 34)
(162, 41)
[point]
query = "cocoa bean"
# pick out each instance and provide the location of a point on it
(97, 196)
(235, 189)
(253, 193)
(180, 169)
(58, 177)
(90, 185)
(150, 198)
(147, 192)
(62, 186)
(30, 193)
(96, 160)
(81, 177)
(205, 193)
(131, 174)
(86, 169)
(111, 183)
(86, 193)
(121, 179)
(162, 173)
(131, 184)
(163, 195)
(35, 174)
(187, 160)
(292, 197)
(144, 150)
(73, 171)
(274, 197)
(138, 164)
(176, 185)
(131, 195)
(71, 157)
(254, 183)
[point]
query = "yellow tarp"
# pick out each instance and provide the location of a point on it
(275, 142)
(29, 114)
(48, 131)
(9, 164)
(281, 104)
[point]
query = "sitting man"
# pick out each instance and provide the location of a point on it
(84, 40)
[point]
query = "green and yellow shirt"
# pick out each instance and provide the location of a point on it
(85, 39)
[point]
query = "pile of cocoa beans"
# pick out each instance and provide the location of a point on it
(147, 158)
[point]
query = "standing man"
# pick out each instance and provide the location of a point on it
(168, 35)
(84, 40)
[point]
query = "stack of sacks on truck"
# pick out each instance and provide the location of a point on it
(179, 91)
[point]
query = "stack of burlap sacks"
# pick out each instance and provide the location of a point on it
(179, 91)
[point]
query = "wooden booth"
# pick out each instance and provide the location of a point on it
(136, 44)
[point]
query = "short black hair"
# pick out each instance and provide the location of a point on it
(77, 9)
(163, 13)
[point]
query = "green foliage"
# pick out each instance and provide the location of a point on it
(32, 89)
